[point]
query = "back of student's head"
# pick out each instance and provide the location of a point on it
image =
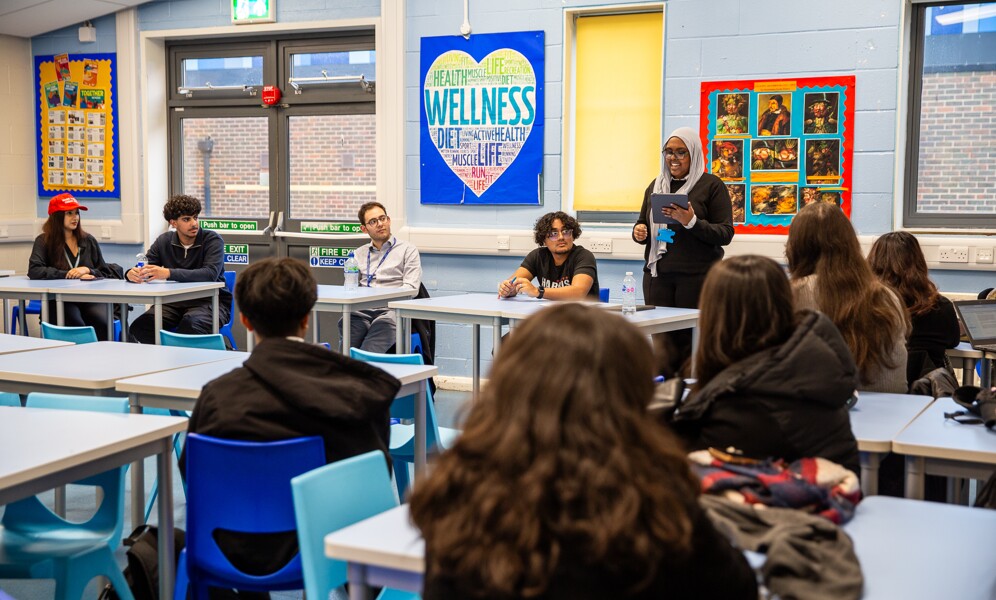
(559, 458)
(746, 307)
(896, 258)
(821, 240)
(275, 294)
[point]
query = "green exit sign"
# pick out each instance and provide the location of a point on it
(254, 11)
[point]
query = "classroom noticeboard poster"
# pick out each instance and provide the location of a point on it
(481, 123)
(779, 144)
(76, 118)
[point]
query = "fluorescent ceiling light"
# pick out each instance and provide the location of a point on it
(974, 13)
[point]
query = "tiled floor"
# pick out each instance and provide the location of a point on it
(450, 407)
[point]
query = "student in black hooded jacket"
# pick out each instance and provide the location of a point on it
(771, 382)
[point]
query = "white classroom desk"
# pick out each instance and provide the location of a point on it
(21, 288)
(489, 309)
(43, 449)
(965, 356)
(918, 550)
(118, 291)
(907, 549)
(336, 298)
(178, 389)
(93, 369)
(19, 343)
(876, 420)
(934, 445)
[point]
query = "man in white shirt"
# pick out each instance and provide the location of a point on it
(385, 262)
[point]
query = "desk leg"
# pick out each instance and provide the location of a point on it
(158, 308)
(44, 313)
(420, 419)
(496, 336)
(870, 462)
(695, 347)
(124, 321)
(968, 371)
(6, 311)
(914, 477)
(137, 476)
(399, 332)
(60, 311)
(167, 568)
(357, 577)
(215, 327)
(60, 501)
(475, 357)
(985, 379)
(110, 322)
(347, 317)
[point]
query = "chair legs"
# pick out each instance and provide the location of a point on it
(402, 478)
(73, 574)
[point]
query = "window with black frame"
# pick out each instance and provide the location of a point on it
(951, 149)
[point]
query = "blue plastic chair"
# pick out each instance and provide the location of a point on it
(8, 399)
(226, 329)
(330, 498)
(603, 294)
(240, 487)
(208, 341)
(31, 307)
(76, 335)
(403, 435)
(36, 543)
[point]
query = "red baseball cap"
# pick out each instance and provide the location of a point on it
(64, 202)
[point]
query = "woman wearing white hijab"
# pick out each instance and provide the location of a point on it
(675, 270)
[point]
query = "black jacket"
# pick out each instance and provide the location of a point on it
(289, 389)
(786, 402)
(204, 261)
(41, 267)
(694, 250)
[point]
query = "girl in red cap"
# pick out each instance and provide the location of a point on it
(65, 251)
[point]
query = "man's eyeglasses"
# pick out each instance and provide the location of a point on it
(378, 220)
(680, 154)
(565, 233)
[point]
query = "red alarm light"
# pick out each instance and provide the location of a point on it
(271, 95)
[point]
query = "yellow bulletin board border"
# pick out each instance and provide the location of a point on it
(76, 119)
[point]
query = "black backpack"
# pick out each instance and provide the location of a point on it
(142, 572)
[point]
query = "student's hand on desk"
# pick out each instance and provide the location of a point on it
(525, 286)
(507, 288)
(79, 273)
(150, 272)
(640, 232)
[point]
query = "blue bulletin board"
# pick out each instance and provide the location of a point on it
(481, 123)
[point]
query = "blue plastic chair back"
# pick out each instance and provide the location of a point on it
(226, 329)
(106, 404)
(208, 341)
(32, 307)
(603, 294)
(76, 335)
(330, 498)
(8, 399)
(404, 407)
(242, 487)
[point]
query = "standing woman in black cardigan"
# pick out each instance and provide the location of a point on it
(675, 271)
(65, 251)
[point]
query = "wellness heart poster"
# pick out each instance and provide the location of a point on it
(481, 121)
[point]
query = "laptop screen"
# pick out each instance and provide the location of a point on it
(979, 318)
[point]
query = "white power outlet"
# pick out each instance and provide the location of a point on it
(984, 256)
(105, 232)
(603, 246)
(954, 254)
(3, 231)
(503, 242)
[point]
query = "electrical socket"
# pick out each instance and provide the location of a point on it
(603, 246)
(3, 231)
(984, 256)
(953, 254)
(503, 242)
(105, 232)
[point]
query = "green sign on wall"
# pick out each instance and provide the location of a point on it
(322, 227)
(254, 11)
(225, 225)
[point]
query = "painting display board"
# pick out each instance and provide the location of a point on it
(77, 125)
(779, 144)
(481, 118)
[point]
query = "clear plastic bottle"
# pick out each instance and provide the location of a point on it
(140, 260)
(629, 294)
(351, 272)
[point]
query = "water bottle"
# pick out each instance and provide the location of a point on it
(351, 271)
(629, 294)
(140, 260)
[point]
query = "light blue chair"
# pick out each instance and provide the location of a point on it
(330, 498)
(241, 487)
(76, 335)
(8, 399)
(226, 329)
(35, 543)
(403, 435)
(31, 307)
(208, 341)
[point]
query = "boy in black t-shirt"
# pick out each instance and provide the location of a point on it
(563, 271)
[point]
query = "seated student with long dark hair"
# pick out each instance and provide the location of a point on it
(771, 382)
(897, 260)
(562, 486)
(65, 251)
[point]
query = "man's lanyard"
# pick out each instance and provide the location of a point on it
(370, 274)
(72, 265)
